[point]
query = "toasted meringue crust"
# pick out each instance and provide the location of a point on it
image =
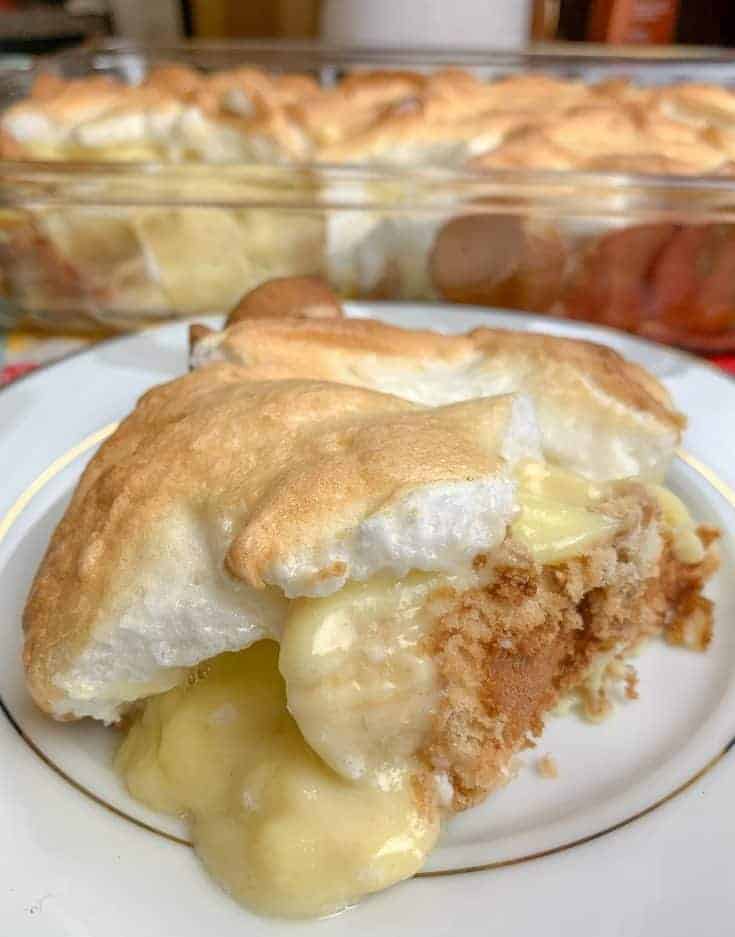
(532, 121)
(599, 414)
(216, 485)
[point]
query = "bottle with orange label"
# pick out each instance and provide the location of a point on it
(638, 22)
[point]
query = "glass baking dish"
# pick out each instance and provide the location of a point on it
(96, 245)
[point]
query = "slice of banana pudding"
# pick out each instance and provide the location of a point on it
(328, 616)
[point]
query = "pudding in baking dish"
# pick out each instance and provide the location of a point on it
(250, 190)
(328, 616)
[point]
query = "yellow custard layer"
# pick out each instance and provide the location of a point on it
(558, 520)
(281, 831)
(127, 152)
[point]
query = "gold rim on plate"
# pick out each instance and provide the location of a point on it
(59, 464)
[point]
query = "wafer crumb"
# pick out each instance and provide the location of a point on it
(547, 767)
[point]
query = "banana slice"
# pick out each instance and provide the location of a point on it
(360, 680)
(687, 546)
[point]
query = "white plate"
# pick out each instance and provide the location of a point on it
(636, 836)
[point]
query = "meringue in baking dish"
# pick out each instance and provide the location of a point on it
(328, 616)
(445, 118)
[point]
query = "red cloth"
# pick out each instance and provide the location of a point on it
(11, 371)
(726, 362)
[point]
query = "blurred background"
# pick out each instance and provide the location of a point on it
(30, 26)
(67, 269)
